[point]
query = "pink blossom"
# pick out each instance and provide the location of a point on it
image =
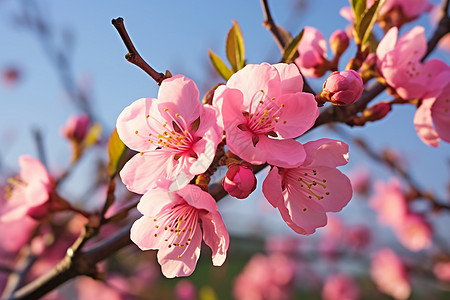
(76, 127)
(287, 244)
(360, 179)
(432, 118)
(29, 193)
(304, 194)
(342, 88)
(263, 108)
(175, 134)
(358, 237)
(91, 289)
(171, 225)
(185, 290)
(239, 181)
(340, 287)
(389, 274)
(414, 232)
(399, 62)
(312, 52)
(389, 202)
(266, 278)
(442, 270)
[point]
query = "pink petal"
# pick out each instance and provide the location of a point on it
(423, 124)
(282, 153)
(145, 172)
(412, 45)
(326, 152)
(181, 261)
(215, 236)
(36, 193)
(303, 214)
(133, 126)
(298, 114)
(387, 44)
(141, 233)
(179, 94)
(154, 201)
(291, 80)
(440, 112)
(254, 78)
(196, 197)
(272, 188)
(337, 185)
(32, 169)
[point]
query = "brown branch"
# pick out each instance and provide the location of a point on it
(133, 55)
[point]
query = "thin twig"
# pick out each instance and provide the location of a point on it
(133, 55)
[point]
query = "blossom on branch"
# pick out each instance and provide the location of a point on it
(29, 193)
(171, 224)
(263, 109)
(175, 134)
(304, 194)
(312, 52)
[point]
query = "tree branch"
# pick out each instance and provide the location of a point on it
(133, 55)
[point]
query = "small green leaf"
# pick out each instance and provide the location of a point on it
(235, 47)
(285, 35)
(220, 66)
(358, 7)
(93, 135)
(290, 51)
(367, 21)
(116, 150)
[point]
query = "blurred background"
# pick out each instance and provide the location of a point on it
(54, 53)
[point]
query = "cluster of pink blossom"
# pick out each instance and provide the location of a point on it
(261, 110)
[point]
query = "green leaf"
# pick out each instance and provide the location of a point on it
(93, 135)
(367, 21)
(116, 151)
(285, 35)
(358, 7)
(235, 47)
(290, 51)
(220, 66)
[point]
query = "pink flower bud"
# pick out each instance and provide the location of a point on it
(377, 112)
(343, 88)
(312, 53)
(76, 127)
(240, 180)
(339, 42)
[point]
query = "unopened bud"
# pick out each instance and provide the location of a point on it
(339, 42)
(239, 181)
(376, 112)
(341, 88)
(76, 127)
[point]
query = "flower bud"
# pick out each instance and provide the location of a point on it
(339, 42)
(239, 181)
(341, 88)
(377, 112)
(76, 127)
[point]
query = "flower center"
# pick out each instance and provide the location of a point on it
(177, 225)
(262, 117)
(14, 184)
(307, 181)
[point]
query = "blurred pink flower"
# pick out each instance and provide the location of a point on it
(29, 193)
(399, 62)
(239, 181)
(175, 134)
(91, 289)
(76, 127)
(339, 41)
(343, 88)
(389, 202)
(442, 270)
(171, 225)
(185, 290)
(389, 274)
(414, 232)
(304, 194)
(284, 244)
(432, 118)
(340, 287)
(358, 237)
(263, 110)
(312, 52)
(361, 179)
(266, 278)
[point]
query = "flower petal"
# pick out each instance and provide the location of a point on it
(440, 112)
(179, 94)
(282, 153)
(387, 44)
(423, 124)
(272, 188)
(215, 236)
(32, 169)
(298, 114)
(326, 152)
(156, 200)
(291, 79)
